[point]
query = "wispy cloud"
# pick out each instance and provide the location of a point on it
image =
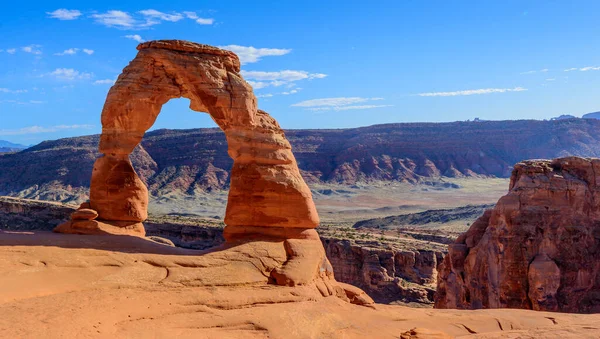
(536, 71)
(69, 74)
(12, 91)
(19, 102)
(40, 129)
(472, 92)
(154, 17)
(260, 79)
(135, 37)
(346, 108)
(249, 54)
(65, 14)
(73, 51)
(114, 18)
(583, 69)
(338, 104)
(290, 92)
(144, 19)
(70, 51)
(11, 50)
(33, 49)
(104, 82)
(199, 20)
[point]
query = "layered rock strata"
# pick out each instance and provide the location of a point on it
(538, 248)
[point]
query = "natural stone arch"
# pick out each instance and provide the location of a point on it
(267, 193)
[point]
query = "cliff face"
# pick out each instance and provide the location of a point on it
(191, 161)
(386, 274)
(537, 249)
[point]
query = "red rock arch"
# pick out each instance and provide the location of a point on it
(267, 193)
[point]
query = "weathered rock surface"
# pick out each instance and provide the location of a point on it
(537, 249)
(63, 286)
(24, 214)
(385, 273)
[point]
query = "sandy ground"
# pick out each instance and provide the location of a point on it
(69, 286)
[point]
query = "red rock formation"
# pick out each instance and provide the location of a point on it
(537, 249)
(267, 193)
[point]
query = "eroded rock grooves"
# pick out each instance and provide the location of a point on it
(267, 195)
(537, 249)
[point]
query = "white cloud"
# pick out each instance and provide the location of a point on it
(286, 76)
(65, 14)
(18, 102)
(260, 79)
(205, 21)
(190, 15)
(70, 51)
(13, 91)
(338, 104)
(33, 49)
(550, 79)
(269, 95)
(472, 92)
(332, 102)
(251, 54)
(11, 50)
(145, 18)
(40, 129)
(88, 51)
(135, 37)
(532, 72)
(589, 68)
(583, 69)
(104, 82)
(118, 19)
(257, 84)
(152, 15)
(69, 74)
(346, 108)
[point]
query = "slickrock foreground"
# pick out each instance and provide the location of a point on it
(68, 286)
(539, 248)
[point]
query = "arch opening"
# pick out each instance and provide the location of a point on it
(267, 193)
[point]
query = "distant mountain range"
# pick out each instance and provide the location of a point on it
(6, 146)
(594, 115)
(190, 161)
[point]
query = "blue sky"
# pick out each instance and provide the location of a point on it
(314, 64)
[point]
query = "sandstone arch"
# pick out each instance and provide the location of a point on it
(267, 193)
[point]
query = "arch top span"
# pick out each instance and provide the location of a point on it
(267, 193)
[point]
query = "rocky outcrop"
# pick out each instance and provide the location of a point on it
(385, 273)
(267, 193)
(23, 214)
(537, 249)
